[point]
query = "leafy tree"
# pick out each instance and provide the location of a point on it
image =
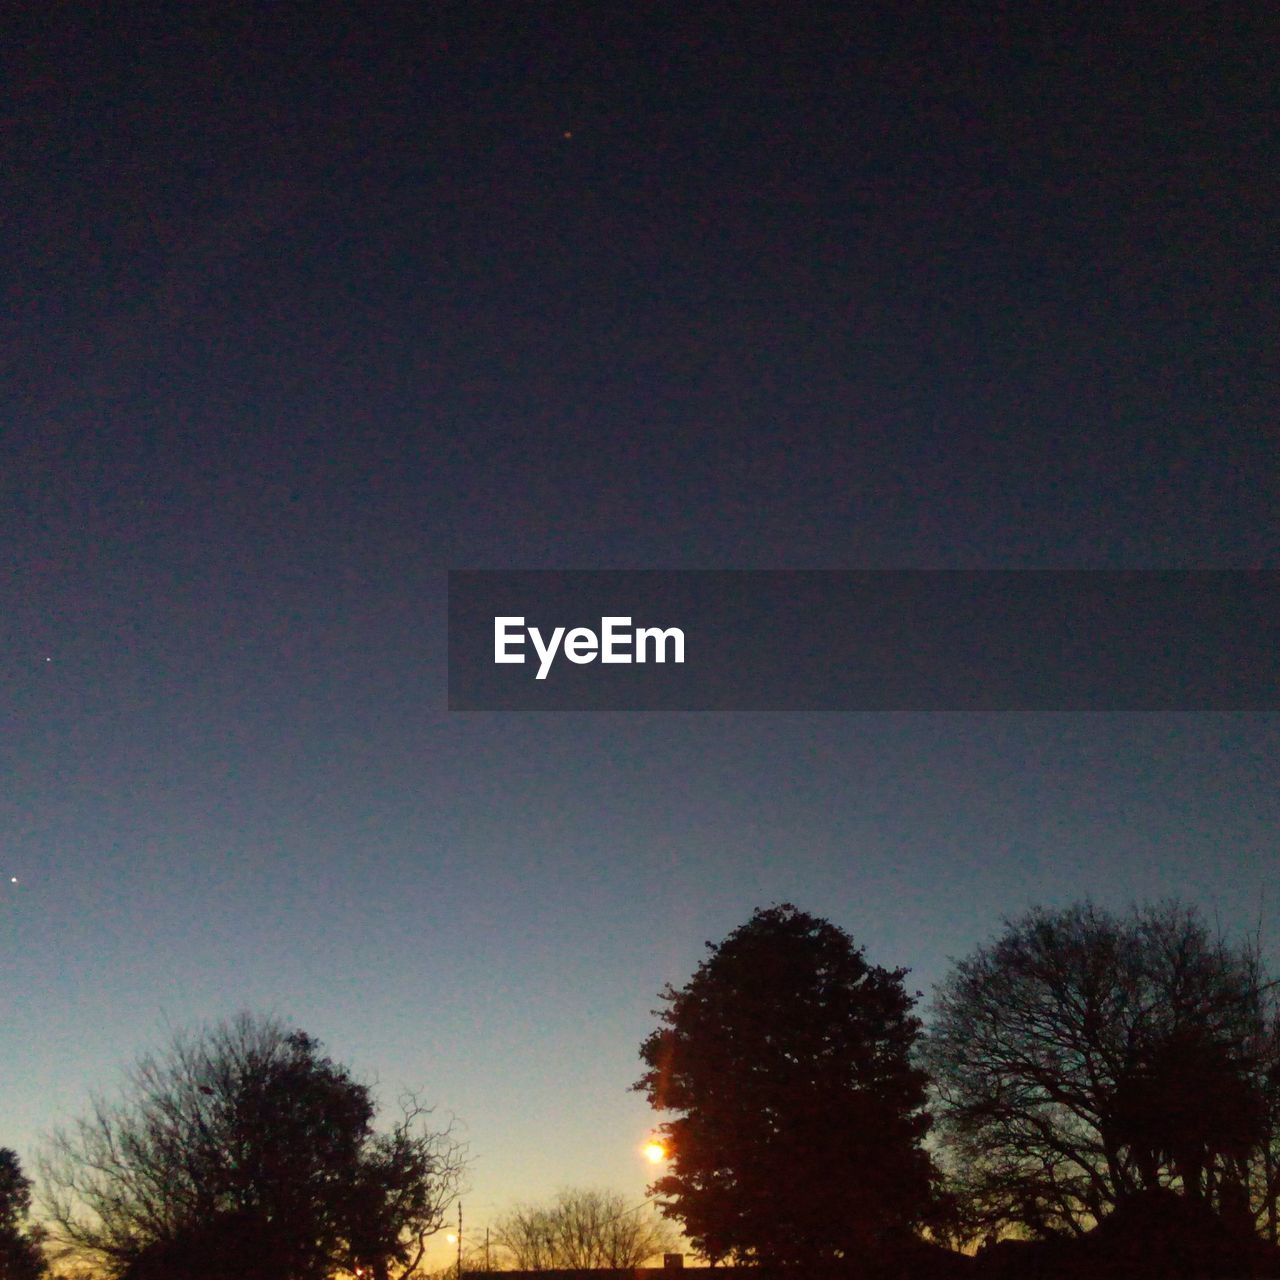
(20, 1254)
(1083, 1056)
(580, 1230)
(248, 1132)
(799, 1114)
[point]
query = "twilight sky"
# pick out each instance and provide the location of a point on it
(302, 307)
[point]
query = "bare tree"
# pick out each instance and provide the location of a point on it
(246, 1131)
(579, 1230)
(1083, 1057)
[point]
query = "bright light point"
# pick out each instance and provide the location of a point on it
(655, 1152)
(13, 879)
(452, 1239)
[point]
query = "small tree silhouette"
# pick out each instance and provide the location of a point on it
(248, 1134)
(580, 1230)
(20, 1254)
(1193, 1103)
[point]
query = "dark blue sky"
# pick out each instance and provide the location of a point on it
(303, 307)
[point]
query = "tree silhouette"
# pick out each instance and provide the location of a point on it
(1083, 1057)
(1192, 1104)
(580, 1230)
(247, 1131)
(20, 1254)
(230, 1246)
(799, 1115)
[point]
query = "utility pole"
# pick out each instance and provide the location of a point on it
(486, 1248)
(459, 1240)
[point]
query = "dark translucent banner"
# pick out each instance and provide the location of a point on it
(866, 641)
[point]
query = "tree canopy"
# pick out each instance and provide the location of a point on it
(1082, 1057)
(20, 1255)
(243, 1131)
(799, 1115)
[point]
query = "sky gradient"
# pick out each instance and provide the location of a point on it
(303, 308)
